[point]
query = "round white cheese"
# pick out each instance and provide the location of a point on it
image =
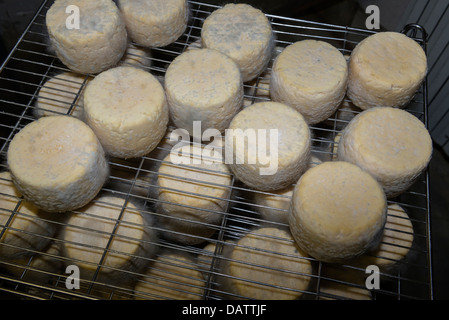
(385, 70)
(338, 212)
(136, 56)
(85, 238)
(57, 163)
(62, 94)
(244, 34)
(173, 276)
(96, 44)
(155, 23)
(266, 264)
(203, 85)
(127, 109)
(193, 193)
(310, 76)
(389, 143)
(29, 229)
(278, 161)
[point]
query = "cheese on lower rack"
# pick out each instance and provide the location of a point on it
(86, 235)
(266, 264)
(391, 144)
(386, 70)
(203, 85)
(244, 34)
(278, 161)
(338, 212)
(137, 56)
(127, 109)
(96, 44)
(62, 94)
(29, 229)
(57, 163)
(310, 76)
(155, 23)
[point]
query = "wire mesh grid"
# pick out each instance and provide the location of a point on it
(137, 251)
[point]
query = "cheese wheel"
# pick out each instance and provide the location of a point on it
(342, 283)
(85, 240)
(266, 264)
(310, 76)
(173, 276)
(62, 94)
(396, 243)
(194, 190)
(389, 143)
(136, 56)
(338, 212)
(385, 70)
(244, 34)
(67, 168)
(127, 109)
(210, 90)
(155, 23)
(26, 228)
(273, 206)
(287, 146)
(96, 44)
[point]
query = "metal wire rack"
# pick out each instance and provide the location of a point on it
(174, 269)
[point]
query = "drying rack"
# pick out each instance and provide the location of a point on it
(31, 63)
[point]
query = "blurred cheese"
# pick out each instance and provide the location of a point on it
(137, 56)
(244, 34)
(155, 23)
(99, 42)
(310, 76)
(57, 163)
(127, 109)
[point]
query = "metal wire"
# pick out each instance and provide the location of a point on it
(25, 72)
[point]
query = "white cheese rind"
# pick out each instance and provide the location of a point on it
(203, 85)
(266, 264)
(57, 163)
(310, 76)
(97, 45)
(386, 70)
(293, 146)
(338, 212)
(389, 143)
(156, 23)
(127, 109)
(244, 34)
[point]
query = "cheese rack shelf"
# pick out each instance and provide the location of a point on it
(31, 63)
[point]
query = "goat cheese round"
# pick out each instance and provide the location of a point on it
(127, 109)
(203, 85)
(62, 94)
(57, 163)
(386, 70)
(266, 264)
(243, 33)
(310, 76)
(137, 56)
(391, 144)
(156, 23)
(338, 212)
(97, 42)
(268, 146)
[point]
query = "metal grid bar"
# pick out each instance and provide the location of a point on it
(25, 72)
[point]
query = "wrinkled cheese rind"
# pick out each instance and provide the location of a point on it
(294, 145)
(97, 45)
(127, 109)
(210, 90)
(389, 143)
(57, 163)
(386, 70)
(266, 264)
(338, 212)
(155, 23)
(310, 76)
(243, 33)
